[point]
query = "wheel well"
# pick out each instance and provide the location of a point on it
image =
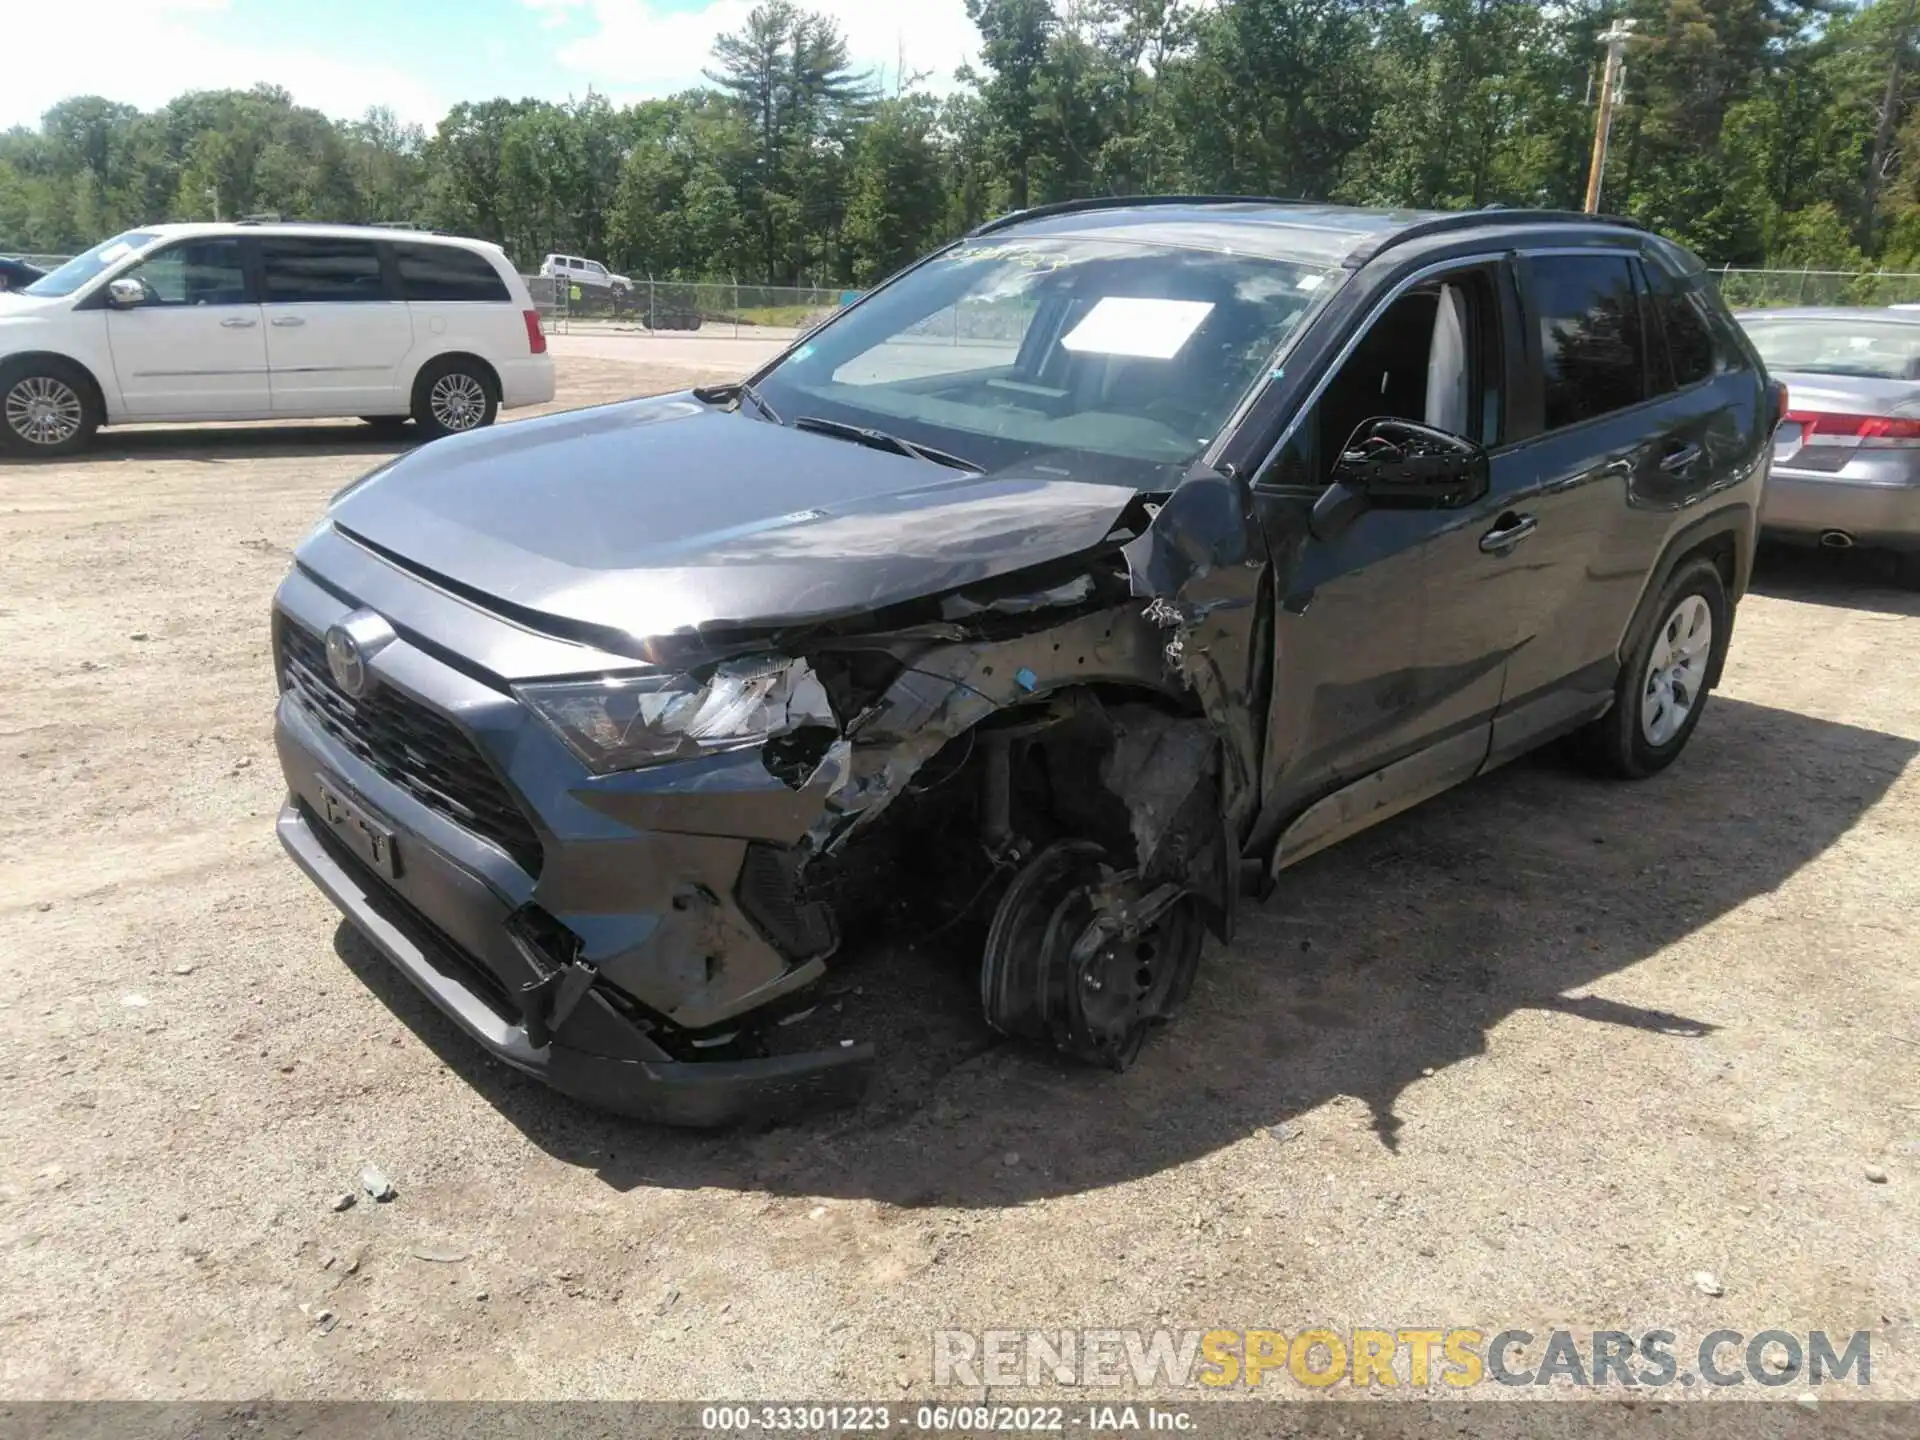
(491, 375)
(95, 393)
(1719, 549)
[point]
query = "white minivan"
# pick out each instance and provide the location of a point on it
(250, 321)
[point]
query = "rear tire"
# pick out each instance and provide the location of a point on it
(453, 396)
(47, 408)
(1662, 689)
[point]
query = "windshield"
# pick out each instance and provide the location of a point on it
(1879, 349)
(1092, 358)
(82, 268)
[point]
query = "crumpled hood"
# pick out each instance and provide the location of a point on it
(659, 516)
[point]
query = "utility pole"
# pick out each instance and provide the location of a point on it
(1889, 115)
(1615, 38)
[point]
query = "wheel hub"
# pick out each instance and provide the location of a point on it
(1086, 957)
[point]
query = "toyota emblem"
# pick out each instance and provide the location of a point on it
(351, 646)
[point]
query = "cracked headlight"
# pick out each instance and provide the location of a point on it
(625, 722)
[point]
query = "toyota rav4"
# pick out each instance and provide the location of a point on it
(1106, 562)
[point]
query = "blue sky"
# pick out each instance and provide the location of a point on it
(421, 56)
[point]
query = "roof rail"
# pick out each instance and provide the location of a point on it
(1471, 219)
(1120, 202)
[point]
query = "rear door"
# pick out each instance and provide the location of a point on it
(1590, 415)
(337, 336)
(196, 348)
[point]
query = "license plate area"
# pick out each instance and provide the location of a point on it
(364, 832)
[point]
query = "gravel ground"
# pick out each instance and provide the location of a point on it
(1530, 1056)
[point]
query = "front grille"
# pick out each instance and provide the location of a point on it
(414, 747)
(768, 893)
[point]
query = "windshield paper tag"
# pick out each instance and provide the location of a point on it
(1148, 329)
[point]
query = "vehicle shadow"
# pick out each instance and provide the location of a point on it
(1850, 579)
(1388, 957)
(254, 441)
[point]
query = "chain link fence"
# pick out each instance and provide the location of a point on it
(724, 308)
(660, 307)
(1771, 289)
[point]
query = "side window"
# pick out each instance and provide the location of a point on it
(1588, 316)
(441, 272)
(1434, 356)
(311, 270)
(1682, 320)
(196, 272)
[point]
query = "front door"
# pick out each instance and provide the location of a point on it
(195, 348)
(336, 337)
(1389, 640)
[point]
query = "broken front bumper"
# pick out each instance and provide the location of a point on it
(642, 1080)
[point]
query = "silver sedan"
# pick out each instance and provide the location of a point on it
(1846, 461)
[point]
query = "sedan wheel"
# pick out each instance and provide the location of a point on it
(1676, 670)
(44, 412)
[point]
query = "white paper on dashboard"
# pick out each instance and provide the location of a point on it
(1129, 325)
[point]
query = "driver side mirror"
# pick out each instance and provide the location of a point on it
(1391, 464)
(126, 293)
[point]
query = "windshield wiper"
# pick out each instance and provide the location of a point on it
(733, 391)
(881, 440)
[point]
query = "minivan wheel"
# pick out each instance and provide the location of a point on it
(452, 397)
(1662, 689)
(46, 408)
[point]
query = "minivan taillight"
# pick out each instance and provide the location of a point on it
(1876, 431)
(536, 337)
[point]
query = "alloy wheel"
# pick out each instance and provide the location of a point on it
(44, 410)
(458, 401)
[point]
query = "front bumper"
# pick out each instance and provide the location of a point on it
(663, 891)
(645, 1086)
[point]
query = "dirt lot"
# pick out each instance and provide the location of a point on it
(1530, 1056)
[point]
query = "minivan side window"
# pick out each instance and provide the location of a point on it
(442, 273)
(1587, 313)
(318, 269)
(194, 272)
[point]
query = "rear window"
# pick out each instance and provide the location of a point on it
(309, 269)
(442, 273)
(1590, 346)
(1841, 345)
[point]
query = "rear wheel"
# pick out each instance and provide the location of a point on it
(47, 408)
(1662, 689)
(453, 396)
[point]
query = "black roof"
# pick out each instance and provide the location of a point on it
(1338, 234)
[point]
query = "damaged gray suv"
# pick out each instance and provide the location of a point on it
(1104, 563)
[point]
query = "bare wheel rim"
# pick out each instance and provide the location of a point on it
(1676, 670)
(457, 400)
(44, 410)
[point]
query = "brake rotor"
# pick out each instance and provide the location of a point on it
(1014, 987)
(1078, 955)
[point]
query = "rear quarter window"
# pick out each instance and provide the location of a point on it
(445, 273)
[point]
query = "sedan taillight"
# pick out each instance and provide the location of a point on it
(1873, 431)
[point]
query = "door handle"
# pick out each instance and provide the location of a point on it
(235, 322)
(1508, 532)
(1679, 457)
(284, 321)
